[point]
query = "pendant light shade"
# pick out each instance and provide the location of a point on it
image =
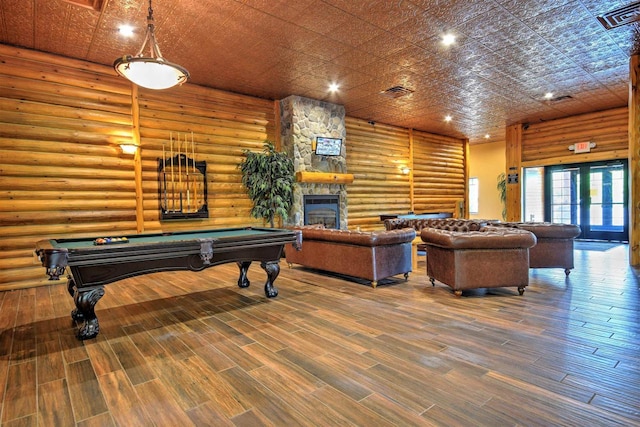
(153, 71)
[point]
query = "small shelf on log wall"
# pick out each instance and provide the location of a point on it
(324, 177)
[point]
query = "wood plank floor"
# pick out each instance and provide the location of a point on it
(183, 348)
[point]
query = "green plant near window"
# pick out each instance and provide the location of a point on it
(502, 192)
(268, 177)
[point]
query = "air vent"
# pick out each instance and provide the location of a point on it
(622, 16)
(89, 4)
(560, 98)
(397, 91)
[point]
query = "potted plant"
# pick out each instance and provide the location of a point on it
(502, 192)
(268, 176)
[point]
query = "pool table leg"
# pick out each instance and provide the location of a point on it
(271, 267)
(273, 270)
(243, 280)
(85, 310)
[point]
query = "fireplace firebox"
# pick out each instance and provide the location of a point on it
(322, 209)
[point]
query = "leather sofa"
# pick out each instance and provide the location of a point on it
(555, 243)
(554, 247)
(488, 258)
(440, 223)
(367, 255)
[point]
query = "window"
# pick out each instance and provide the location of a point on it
(473, 195)
(533, 194)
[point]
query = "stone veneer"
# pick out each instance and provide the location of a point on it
(301, 121)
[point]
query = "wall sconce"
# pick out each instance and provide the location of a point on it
(129, 149)
(405, 170)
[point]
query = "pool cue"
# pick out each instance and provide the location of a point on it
(173, 183)
(180, 172)
(195, 175)
(186, 166)
(164, 176)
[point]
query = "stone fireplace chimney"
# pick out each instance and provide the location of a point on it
(302, 120)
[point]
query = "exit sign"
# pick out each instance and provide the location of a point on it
(582, 147)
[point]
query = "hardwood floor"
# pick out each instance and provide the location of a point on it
(183, 348)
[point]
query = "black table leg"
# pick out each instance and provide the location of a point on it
(243, 280)
(273, 270)
(85, 310)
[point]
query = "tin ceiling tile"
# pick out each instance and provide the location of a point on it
(528, 9)
(10, 21)
(381, 13)
(355, 32)
(508, 53)
(355, 59)
(460, 11)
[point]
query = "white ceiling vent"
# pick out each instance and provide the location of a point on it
(560, 98)
(621, 16)
(397, 91)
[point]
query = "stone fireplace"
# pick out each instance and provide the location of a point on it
(302, 120)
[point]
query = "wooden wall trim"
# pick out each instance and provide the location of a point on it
(465, 213)
(577, 158)
(411, 182)
(513, 139)
(634, 160)
(137, 160)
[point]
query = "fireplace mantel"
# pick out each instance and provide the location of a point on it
(324, 177)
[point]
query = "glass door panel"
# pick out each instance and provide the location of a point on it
(591, 195)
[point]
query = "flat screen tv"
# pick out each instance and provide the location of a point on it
(328, 146)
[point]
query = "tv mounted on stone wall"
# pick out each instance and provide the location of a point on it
(328, 146)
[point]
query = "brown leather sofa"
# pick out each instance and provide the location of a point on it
(554, 247)
(489, 258)
(440, 223)
(555, 243)
(367, 255)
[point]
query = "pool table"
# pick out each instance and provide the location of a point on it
(95, 265)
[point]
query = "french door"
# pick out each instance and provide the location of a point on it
(591, 195)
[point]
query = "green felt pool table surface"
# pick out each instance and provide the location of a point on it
(156, 238)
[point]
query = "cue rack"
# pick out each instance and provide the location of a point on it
(182, 181)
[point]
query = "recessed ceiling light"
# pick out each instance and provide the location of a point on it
(125, 30)
(333, 87)
(448, 39)
(548, 95)
(447, 118)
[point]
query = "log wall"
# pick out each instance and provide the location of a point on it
(547, 143)
(439, 173)
(376, 155)
(63, 174)
(223, 125)
(62, 171)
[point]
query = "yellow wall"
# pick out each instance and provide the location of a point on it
(486, 162)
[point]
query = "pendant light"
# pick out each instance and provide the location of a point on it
(153, 71)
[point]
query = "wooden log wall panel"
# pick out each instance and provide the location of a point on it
(62, 173)
(634, 160)
(223, 125)
(439, 179)
(375, 156)
(547, 143)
